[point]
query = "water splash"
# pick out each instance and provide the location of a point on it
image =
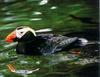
(53, 7)
(37, 13)
(43, 2)
(35, 19)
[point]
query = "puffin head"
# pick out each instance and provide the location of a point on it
(19, 33)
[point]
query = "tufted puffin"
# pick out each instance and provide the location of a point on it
(29, 43)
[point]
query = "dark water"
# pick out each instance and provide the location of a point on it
(55, 14)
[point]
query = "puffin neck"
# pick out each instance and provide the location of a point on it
(29, 36)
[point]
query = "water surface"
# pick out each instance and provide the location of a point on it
(39, 14)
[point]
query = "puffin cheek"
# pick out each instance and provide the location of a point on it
(10, 38)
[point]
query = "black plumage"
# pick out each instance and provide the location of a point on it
(29, 44)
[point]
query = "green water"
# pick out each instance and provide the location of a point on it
(52, 14)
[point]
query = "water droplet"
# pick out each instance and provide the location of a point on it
(43, 2)
(53, 7)
(35, 19)
(38, 62)
(36, 13)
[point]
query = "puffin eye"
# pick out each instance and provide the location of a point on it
(21, 32)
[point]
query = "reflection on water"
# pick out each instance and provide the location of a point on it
(43, 14)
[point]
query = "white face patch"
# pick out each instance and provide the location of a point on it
(21, 32)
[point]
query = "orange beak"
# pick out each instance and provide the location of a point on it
(10, 38)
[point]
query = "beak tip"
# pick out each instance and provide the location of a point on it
(8, 40)
(11, 37)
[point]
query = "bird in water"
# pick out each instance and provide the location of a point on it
(86, 20)
(30, 43)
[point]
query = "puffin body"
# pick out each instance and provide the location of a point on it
(31, 44)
